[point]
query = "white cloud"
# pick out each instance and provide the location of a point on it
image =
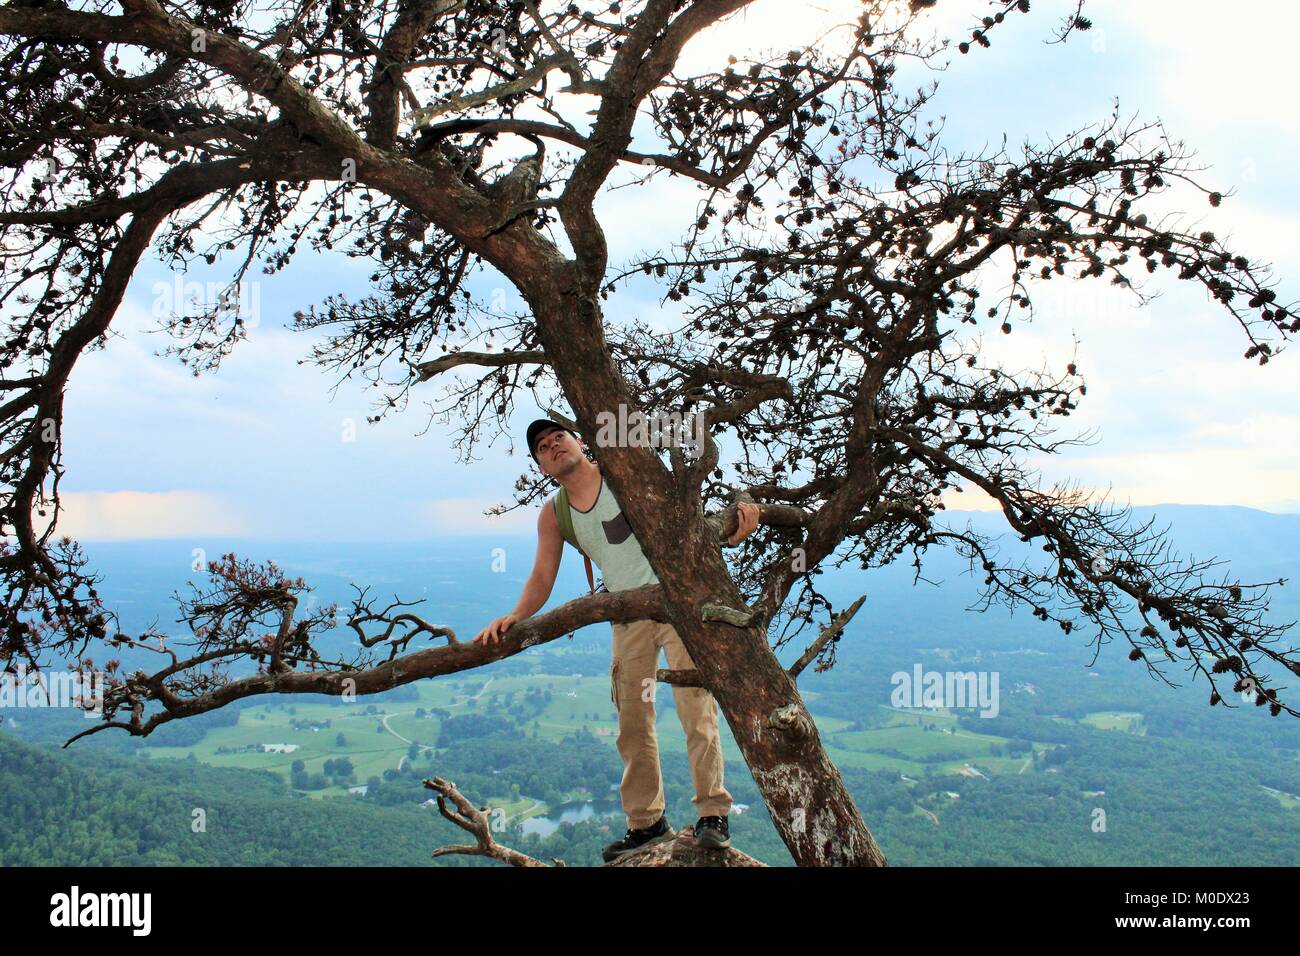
(766, 26)
(119, 515)
(1259, 476)
(1223, 62)
(1278, 435)
(970, 498)
(464, 516)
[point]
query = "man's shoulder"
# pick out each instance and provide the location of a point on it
(549, 515)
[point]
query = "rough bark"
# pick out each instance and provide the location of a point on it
(682, 851)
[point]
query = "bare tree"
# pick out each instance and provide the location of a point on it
(837, 250)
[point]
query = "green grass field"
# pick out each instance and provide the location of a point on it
(376, 742)
(1128, 722)
(921, 735)
(1288, 801)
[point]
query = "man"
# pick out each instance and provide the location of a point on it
(606, 538)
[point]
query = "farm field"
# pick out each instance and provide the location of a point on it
(377, 736)
(1128, 722)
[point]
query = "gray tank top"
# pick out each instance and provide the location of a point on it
(607, 539)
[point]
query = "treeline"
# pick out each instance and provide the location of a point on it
(98, 809)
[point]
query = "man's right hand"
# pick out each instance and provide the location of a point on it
(496, 630)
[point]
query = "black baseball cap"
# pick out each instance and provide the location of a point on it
(542, 425)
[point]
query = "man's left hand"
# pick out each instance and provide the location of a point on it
(748, 521)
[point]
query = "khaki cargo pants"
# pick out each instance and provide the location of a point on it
(635, 659)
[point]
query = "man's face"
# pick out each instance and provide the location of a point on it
(558, 452)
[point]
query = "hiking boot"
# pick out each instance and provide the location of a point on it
(657, 832)
(712, 833)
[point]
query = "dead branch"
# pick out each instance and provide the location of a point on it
(475, 821)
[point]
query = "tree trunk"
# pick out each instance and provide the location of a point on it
(805, 795)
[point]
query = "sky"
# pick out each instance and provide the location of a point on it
(264, 448)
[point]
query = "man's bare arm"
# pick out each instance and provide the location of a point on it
(546, 565)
